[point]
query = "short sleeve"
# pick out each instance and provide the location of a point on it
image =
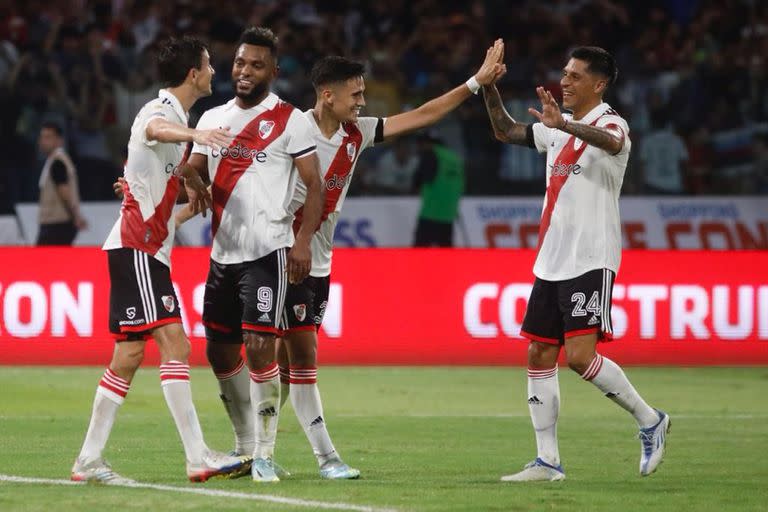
(159, 108)
(616, 122)
(542, 136)
(372, 129)
(300, 139)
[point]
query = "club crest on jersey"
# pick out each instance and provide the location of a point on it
(351, 151)
(168, 303)
(300, 310)
(130, 312)
(265, 128)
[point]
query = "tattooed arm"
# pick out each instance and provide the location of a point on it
(610, 138)
(505, 128)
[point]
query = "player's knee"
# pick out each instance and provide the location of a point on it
(223, 357)
(542, 355)
(304, 358)
(175, 348)
(260, 349)
(127, 360)
(579, 361)
(182, 349)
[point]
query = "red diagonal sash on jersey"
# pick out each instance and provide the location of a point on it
(567, 158)
(336, 176)
(231, 169)
(149, 235)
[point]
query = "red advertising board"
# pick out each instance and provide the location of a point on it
(414, 307)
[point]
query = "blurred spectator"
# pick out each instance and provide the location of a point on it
(440, 179)
(663, 155)
(88, 66)
(395, 169)
(59, 212)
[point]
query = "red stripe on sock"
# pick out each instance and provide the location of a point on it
(265, 374)
(540, 373)
(594, 368)
(303, 375)
(113, 379)
(231, 373)
(174, 370)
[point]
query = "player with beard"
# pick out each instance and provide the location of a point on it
(341, 135)
(255, 251)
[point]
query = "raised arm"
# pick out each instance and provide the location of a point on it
(505, 128)
(300, 255)
(609, 138)
(435, 109)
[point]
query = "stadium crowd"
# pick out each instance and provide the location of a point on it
(693, 80)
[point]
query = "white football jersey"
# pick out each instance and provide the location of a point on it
(580, 226)
(254, 178)
(151, 184)
(338, 158)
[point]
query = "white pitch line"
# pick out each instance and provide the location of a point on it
(209, 492)
(735, 416)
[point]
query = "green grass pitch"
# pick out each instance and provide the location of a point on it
(429, 439)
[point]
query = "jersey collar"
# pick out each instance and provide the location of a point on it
(596, 112)
(267, 103)
(310, 114)
(175, 103)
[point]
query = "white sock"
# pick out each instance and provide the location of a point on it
(265, 402)
(110, 395)
(305, 398)
(544, 406)
(174, 378)
(610, 379)
(285, 385)
(236, 395)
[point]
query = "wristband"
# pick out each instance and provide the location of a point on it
(473, 85)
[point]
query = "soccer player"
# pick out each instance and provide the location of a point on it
(255, 253)
(341, 136)
(142, 300)
(579, 251)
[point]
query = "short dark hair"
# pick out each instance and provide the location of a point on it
(334, 69)
(259, 36)
(599, 61)
(177, 57)
(53, 126)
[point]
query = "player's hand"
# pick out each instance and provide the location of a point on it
(118, 186)
(197, 192)
(217, 138)
(299, 262)
(550, 113)
(493, 66)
